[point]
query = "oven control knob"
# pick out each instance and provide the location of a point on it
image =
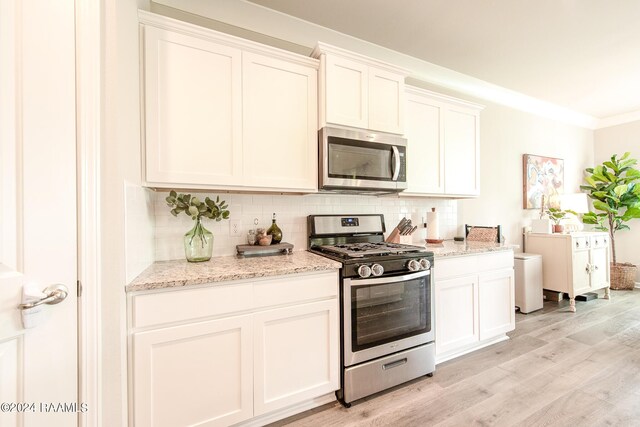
(364, 271)
(424, 263)
(414, 265)
(377, 270)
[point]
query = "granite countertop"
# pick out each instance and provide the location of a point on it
(451, 248)
(177, 273)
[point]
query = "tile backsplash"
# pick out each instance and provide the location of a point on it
(291, 213)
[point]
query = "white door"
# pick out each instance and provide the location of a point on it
(38, 366)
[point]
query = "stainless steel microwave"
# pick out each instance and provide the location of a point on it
(353, 160)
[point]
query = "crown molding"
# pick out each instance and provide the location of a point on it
(620, 119)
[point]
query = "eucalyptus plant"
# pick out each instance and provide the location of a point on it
(614, 188)
(195, 208)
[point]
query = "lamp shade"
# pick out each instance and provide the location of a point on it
(575, 202)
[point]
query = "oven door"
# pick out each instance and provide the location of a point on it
(361, 160)
(386, 314)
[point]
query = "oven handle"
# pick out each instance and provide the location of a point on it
(396, 163)
(391, 279)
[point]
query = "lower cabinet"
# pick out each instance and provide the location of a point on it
(296, 354)
(196, 374)
(456, 313)
(497, 303)
(474, 301)
(280, 347)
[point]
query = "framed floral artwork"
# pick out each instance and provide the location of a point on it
(542, 176)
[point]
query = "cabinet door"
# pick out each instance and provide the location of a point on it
(296, 354)
(280, 120)
(425, 146)
(347, 87)
(193, 120)
(462, 152)
(456, 312)
(195, 374)
(497, 303)
(581, 268)
(600, 267)
(386, 101)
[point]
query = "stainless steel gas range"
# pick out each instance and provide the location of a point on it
(386, 303)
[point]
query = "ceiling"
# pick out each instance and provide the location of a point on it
(580, 54)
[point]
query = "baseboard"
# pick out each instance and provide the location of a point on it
(288, 411)
(468, 350)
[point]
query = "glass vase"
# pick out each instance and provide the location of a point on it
(198, 243)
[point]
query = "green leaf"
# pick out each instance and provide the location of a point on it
(173, 194)
(632, 174)
(174, 212)
(631, 213)
(622, 227)
(601, 206)
(612, 166)
(193, 210)
(590, 218)
(225, 214)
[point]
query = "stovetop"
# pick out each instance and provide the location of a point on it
(367, 249)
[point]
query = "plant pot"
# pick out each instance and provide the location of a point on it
(558, 228)
(198, 243)
(623, 276)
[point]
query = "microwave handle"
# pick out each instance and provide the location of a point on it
(396, 163)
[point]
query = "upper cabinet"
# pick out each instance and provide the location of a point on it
(358, 91)
(221, 112)
(443, 145)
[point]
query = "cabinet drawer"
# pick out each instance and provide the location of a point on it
(187, 304)
(581, 243)
(599, 241)
(446, 267)
(495, 261)
(284, 290)
(471, 264)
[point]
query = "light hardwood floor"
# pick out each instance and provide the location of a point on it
(558, 369)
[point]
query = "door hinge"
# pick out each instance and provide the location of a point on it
(79, 288)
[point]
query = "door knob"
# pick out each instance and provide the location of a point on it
(53, 295)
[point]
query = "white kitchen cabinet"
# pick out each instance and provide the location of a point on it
(195, 374)
(358, 91)
(228, 352)
(225, 113)
(296, 354)
(456, 313)
(474, 301)
(574, 263)
(193, 116)
(497, 302)
(279, 107)
(443, 145)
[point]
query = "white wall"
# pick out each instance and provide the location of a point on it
(505, 135)
(618, 140)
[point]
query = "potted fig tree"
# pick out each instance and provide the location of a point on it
(614, 188)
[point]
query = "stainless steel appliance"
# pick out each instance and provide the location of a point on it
(353, 160)
(386, 303)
